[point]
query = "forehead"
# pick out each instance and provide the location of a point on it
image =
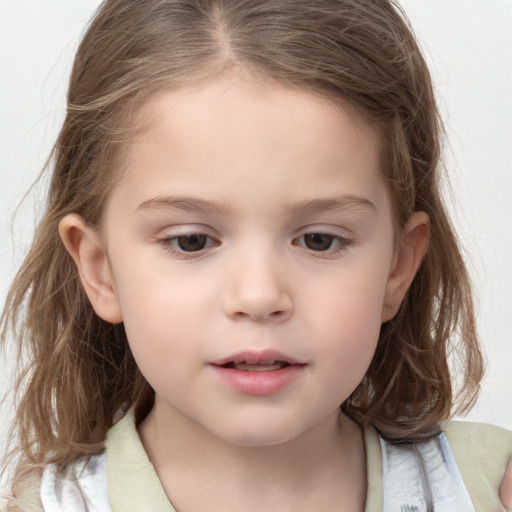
(232, 134)
(230, 99)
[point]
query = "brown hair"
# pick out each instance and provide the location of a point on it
(79, 370)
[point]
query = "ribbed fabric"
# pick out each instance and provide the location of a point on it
(423, 477)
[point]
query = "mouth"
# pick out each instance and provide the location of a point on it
(258, 361)
(260, 373)
(264, 366)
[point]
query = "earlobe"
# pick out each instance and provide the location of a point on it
(85, 247)
(411, 249)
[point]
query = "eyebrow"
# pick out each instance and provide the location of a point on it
(348, 202)
(189, 204)
(186, 204)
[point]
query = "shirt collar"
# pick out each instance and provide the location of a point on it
(129, 471)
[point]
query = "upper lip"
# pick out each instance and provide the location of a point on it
(256, 357)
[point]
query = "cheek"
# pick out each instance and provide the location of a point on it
(346, 321)
(164, 342)
(350, 326)
(163, 321)
(351, 297)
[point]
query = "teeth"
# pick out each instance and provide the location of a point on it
(258, 367)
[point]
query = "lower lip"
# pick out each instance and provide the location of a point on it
(259, 382)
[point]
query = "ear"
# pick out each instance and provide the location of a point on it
(85, 246)
(411, 248)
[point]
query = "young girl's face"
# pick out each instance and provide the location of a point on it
(248, 247)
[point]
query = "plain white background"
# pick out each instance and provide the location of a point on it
(468, 44)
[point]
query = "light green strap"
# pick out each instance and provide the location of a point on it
(133, 485)
(373, 471)
(481, 452)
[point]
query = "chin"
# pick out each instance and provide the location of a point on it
(258, 435)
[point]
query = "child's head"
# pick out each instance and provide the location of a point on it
(355, 69)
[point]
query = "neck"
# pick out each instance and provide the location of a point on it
(314, 471)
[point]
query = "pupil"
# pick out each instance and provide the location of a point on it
(318, 241)
(192, 243)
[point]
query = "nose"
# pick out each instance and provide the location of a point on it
(258, 289)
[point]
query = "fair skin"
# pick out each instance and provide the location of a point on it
(506, 487)
(250, 218)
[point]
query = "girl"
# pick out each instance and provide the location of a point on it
(244, 230)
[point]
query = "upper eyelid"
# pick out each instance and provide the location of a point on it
(192, 230)
(173, 231)
(326, 229)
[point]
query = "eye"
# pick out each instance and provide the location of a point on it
(191, 243)
(188, 243)
(323, 242)
(318, 241)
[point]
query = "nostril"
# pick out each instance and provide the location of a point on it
(259, 303)
(261, 316)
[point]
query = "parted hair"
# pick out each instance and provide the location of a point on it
(76, 370)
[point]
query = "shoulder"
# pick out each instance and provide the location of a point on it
(481, 452)
(479, 442)
(488, 435)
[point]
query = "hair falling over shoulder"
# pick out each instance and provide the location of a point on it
(76, 371)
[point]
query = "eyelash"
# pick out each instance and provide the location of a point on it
(342, 244)
(169, 243)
